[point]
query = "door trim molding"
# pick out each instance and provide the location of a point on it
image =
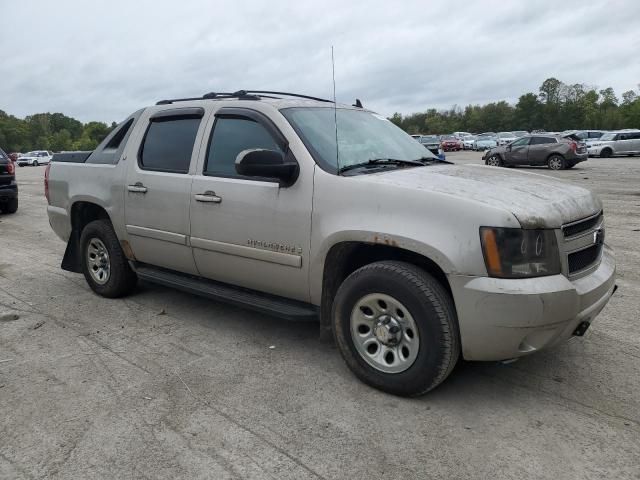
(280, 258)
(171, 237)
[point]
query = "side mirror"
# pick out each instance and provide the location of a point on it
(259, 162)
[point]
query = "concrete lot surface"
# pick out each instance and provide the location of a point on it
(165, 385)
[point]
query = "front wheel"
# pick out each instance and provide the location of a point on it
(606, 153)
(396, 328)
(104, 265)
(494, 161)
(36, 164)
(556, 162)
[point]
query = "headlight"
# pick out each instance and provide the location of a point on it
(517, 253)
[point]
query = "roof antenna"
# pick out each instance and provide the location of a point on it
(335, 108)
(358, 103)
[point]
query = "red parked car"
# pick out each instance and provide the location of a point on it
(450, 143)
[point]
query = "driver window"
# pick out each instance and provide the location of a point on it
(230, 136)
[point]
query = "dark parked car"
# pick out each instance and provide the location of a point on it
(553, 151)
(8, 185)
(432, 143)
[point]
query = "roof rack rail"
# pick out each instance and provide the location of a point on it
(241, 95)
(297, 95)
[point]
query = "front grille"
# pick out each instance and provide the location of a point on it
(581, 226)
(584, 258)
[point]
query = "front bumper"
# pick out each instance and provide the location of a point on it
(594, 151)
(506, 318)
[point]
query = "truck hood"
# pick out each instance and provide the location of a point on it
(537, 201)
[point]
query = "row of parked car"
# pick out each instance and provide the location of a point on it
(598, 143)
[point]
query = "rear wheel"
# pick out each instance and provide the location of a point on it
(104, 265)
(396, 328)
(556, 162)
(11, 206)
(606, 153)
(494, 161)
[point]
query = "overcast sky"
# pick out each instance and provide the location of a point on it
(101, 60)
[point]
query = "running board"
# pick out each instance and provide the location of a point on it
(257, 301)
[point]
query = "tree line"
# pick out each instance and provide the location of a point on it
(50, 131)
(556, 107)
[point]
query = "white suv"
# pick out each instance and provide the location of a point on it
(35, 158)
(620, 142)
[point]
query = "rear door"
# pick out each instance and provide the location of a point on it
(250, 231)
(158, 186)
(540, 149)
(517, 153)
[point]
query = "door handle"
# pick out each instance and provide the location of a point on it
(207, 196)
(138, 187)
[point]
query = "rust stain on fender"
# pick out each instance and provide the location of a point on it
(385, 240)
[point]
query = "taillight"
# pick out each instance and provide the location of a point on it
(11, 168)
(573, 146)
(46, 183)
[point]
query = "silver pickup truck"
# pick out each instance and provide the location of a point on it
(297, 207)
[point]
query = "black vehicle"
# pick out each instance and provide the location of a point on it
(8, 185)
(549, 150)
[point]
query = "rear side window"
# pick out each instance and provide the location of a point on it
(168, 144)
(542, 140)
(232, 135)
(634, 136)
(117, 138)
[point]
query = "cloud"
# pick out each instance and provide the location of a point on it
(103, 60)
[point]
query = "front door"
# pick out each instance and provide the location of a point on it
(158, 188)
(250, 231)
(517, 152)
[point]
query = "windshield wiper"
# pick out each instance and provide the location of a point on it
(380, 162)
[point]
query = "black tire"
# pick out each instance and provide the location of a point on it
(10, 206)
(496, 157)
(35, 163)
(556, 162)
(434, 314)
(606, 153)
(122, 279)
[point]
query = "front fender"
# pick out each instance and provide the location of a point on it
(319, 257)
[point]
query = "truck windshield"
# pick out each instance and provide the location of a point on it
(362, 136)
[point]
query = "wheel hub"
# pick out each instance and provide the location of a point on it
(387, 330)
(384, 333)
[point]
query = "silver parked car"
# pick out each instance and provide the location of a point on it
(484, 142)
(406, 261)
(620, 142)
(505, 138)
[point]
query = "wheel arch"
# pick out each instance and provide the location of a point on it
(81, 213)
(345, 257)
